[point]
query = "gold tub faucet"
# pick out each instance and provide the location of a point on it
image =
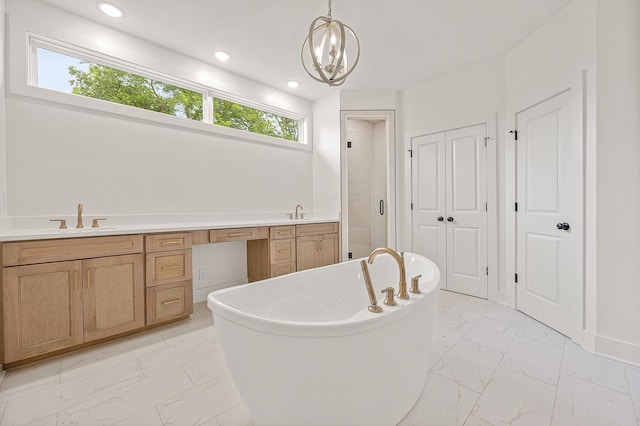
(402, 293)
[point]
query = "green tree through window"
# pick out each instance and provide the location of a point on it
(110, 84)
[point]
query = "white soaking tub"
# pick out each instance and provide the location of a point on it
(303, 349)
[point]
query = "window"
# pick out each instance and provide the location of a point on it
(67, 74)
(242, 117)
(63, 69)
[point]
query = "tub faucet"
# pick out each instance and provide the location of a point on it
(300, 207)
(399, 258)
(79, 224)
(373, 307)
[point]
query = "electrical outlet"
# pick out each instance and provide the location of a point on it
(202, 274)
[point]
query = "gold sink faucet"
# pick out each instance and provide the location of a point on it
(301, 209)
(402, 293)
(79, 224)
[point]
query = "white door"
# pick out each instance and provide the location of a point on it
(549, 213)
(428, 184)
(449, 196)
(466, 211)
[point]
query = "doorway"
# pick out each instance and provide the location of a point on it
(449, 209)
(549, 212)
(368, 182)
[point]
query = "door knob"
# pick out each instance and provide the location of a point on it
(440, 218)
(563, 226)
(449, 219)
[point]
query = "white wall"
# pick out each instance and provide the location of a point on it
(60, 155)
(3, 121)
(618, 178)
(326, 153)
(471, 96)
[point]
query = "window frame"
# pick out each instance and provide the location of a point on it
(36, 41)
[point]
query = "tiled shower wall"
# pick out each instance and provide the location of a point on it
(367, 185)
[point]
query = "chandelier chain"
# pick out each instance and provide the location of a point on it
(329, 15)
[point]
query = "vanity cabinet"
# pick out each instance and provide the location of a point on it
(282, 250)
(316, 245)
(57, 305)
(169, 284)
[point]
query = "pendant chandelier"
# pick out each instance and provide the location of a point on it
(324, 51)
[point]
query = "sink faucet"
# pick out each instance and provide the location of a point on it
(300, 207)
(79, 224)
(402, 293)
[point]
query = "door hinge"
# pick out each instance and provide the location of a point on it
(516, 278)
(350, 255)
(410, 153)
(516, 206)
(515, 134)
(348, 144)
(487, 270)
(486, 208)
(411, 206)
(486, 138)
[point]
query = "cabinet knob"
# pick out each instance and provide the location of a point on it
(450, 219)
(440, 218)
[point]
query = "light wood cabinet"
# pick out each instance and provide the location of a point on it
(42, 309)
(58, 305)
(168, 302)
(282, 250)
(316, 245)
(113, 295)
(169, 287)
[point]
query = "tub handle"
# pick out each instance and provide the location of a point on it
(389, 301)
(414, 284)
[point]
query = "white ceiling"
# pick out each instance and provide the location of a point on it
(403, 42)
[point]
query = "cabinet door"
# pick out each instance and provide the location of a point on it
(327, 249)
(42, 309)
(306, 252)
(113, 295)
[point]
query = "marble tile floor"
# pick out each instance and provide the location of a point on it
(491, 365)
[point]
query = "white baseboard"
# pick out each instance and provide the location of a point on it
(617, 349)
(200, 294)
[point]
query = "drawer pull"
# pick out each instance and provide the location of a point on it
(170, 242)
(283, 251)
(171, 301)
(239, 234)
(170, 267)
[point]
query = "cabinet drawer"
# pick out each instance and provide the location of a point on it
(282, 232)
(45, 251)
(316, 229)
(238, 234)
(168, 267)
(282, 251)
(168, 242)
(169, 301)
(282, 269)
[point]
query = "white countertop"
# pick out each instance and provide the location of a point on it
(21, 232)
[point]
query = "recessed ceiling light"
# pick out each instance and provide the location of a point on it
(293, 84)
(222, 56)
(110, 10)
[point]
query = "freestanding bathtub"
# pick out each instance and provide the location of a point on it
(304, 350)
